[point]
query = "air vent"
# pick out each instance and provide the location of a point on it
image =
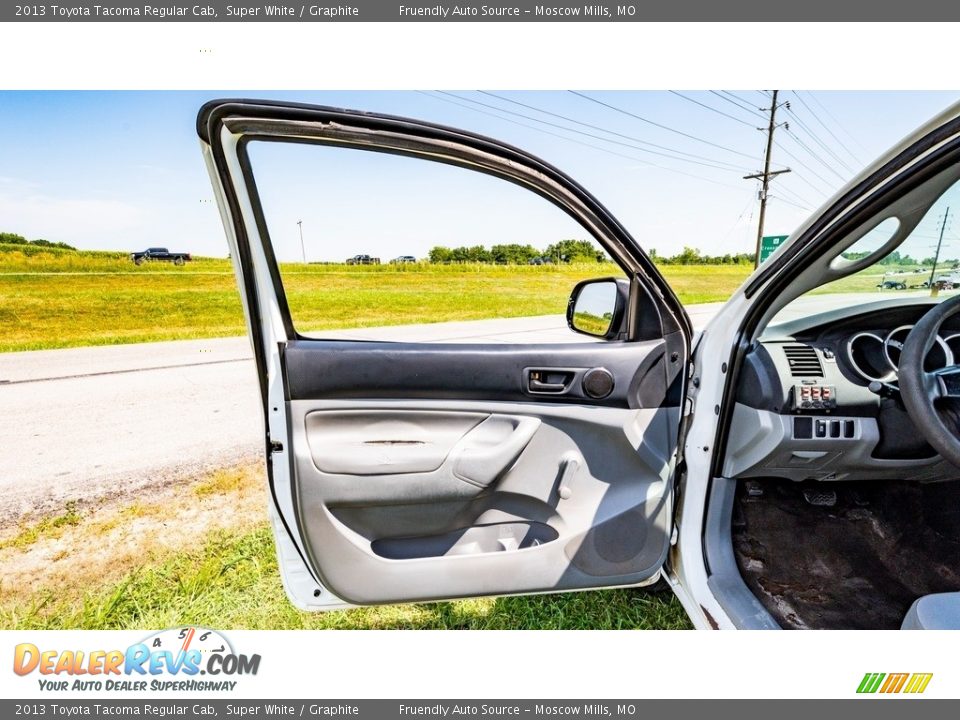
(803, 361)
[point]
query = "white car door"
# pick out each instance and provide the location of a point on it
(406, 471)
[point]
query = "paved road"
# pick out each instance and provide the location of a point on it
(98, 422)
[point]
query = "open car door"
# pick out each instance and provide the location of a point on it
(409, 471)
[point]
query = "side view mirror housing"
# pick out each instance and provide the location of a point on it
(599, 308)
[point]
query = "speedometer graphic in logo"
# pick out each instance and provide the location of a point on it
(183, 639)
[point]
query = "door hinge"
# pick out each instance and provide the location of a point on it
(276, 446)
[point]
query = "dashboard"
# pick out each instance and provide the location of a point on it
(805, 408)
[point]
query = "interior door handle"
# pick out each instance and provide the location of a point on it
(546, 380)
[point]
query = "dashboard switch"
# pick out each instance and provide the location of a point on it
(814, 397)
(821, 428)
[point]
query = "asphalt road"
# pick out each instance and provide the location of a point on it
(91, 423)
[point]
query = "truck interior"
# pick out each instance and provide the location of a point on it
(837, 501)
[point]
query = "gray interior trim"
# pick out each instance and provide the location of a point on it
(587, 503)
(725, 582)
(762, 444)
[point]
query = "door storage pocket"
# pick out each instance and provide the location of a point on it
(496, 537)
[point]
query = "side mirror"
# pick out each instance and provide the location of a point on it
(598, 308)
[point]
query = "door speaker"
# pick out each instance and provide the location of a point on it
(618, 546)
(598, 383)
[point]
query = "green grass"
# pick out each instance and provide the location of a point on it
(47, 527)
(232, 582)
(55, 299)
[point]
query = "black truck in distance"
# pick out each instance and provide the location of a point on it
(363, 260)
(158, 253)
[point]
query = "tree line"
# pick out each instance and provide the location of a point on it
(895, 258)
(565, 252)
(562, 252)
(14, 239)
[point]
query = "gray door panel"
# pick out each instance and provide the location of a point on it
(584, 502)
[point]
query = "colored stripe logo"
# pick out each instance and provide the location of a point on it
(887, 683)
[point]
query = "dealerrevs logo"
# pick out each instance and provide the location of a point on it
(894, 683)
(169, 660)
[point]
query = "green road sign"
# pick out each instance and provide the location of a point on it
(769, 243)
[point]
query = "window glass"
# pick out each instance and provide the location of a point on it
(926, 262)
(385, 247)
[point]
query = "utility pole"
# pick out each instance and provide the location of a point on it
(303, 249)
(936, 255)
(766, 175)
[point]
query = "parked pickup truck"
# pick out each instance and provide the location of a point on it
(158, 253)
(363, 260)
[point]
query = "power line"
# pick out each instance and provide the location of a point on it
(656, 124)
(737, 102)
(579, 142)
(709, 107)
(814, 155)
(809, 169)
(700, 160)
(789, 202)
(597, 127)
(825, 127)
(797, 197)
(813, 136)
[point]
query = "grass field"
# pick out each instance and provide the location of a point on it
(68, 299)
(223, 574)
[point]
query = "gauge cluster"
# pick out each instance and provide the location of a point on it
(875, 356)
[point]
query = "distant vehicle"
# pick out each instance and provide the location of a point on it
(948, 281)
(942, 282)
(403, 259)
(892, 284)
(159, 253)
(363, 260)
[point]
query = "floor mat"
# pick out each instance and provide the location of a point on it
(858, 563)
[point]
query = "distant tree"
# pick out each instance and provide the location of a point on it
(513, 254)
(689, 256)
(12, 238)
(574, 251)
(440, 254)
(474, 254)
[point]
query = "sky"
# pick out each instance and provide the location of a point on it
(123, 170)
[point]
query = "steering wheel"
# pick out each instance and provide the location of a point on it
(932, 398)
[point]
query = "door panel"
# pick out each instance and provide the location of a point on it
(585, 502)
(416, 471)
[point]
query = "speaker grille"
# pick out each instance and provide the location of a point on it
(598, 383)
